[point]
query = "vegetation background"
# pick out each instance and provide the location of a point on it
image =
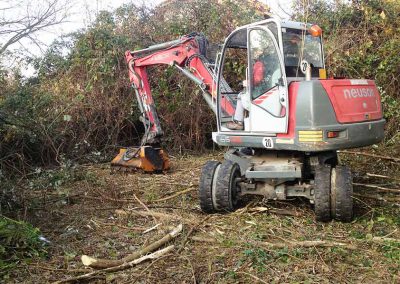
(79, 107)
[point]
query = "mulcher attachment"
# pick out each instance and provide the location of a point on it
(145, 158)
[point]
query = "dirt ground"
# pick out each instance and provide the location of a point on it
(106, 216)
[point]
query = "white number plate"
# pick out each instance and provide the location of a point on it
(268, 142)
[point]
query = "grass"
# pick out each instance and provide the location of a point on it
(235, 255)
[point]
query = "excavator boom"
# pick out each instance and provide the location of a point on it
(187, 54)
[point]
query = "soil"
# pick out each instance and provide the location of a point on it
(98, 216)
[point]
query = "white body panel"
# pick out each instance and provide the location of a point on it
(268, 113)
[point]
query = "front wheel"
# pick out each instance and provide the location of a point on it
(342, 194)
(227, 187)
(207, 185)
(322, 200)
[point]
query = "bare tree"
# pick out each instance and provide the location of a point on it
(21, 19)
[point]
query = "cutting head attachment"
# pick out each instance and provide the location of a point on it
(145, 158)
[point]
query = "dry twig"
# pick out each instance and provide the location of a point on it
(382, 176)
(252, 276)
(286, 243)
(174, 195)
(380, 188)
(377, 197)
(370, 155)
(191, 231)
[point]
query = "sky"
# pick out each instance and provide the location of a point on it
(83, 12)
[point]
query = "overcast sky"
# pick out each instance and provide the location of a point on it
(83, 12)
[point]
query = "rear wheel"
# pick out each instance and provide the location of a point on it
(322, 204)
(227, 187)
(342, 194)
(206, 185)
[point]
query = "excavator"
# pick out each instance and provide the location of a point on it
(294, 119)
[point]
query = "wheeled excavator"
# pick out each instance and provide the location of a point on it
(293, 123)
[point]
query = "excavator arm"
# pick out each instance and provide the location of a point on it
(187, 54)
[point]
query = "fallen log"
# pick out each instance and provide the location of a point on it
(107, 263)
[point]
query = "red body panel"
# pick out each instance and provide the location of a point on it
(293, 91)
(354, 100)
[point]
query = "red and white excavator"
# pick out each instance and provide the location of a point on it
(292, 121)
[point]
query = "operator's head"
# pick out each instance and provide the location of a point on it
(257, 52)
(258, 72)
(295, 39)
(291, 49)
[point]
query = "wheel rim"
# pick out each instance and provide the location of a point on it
(234, 185)
(226, 186)
(333, 193)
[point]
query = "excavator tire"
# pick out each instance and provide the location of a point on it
(341, 194)
(322, 203)
(206, 185)
(226, 189)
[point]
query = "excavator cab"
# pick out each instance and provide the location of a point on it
(281, 58)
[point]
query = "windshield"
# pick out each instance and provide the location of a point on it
(299, 45)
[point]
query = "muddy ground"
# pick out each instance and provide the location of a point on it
(104, 216)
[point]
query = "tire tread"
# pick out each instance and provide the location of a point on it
(223, 188)
(343, 206)
(322, 193)
(205, 186)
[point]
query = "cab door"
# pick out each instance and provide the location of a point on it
(268, 110)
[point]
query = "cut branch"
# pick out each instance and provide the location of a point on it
(123, 266)
(107, 263)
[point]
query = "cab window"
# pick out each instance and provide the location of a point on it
(264, 64)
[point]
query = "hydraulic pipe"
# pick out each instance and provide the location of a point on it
(157, 47)
(192, 77)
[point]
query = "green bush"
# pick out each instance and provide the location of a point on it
(18, 241)
(80, 102)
